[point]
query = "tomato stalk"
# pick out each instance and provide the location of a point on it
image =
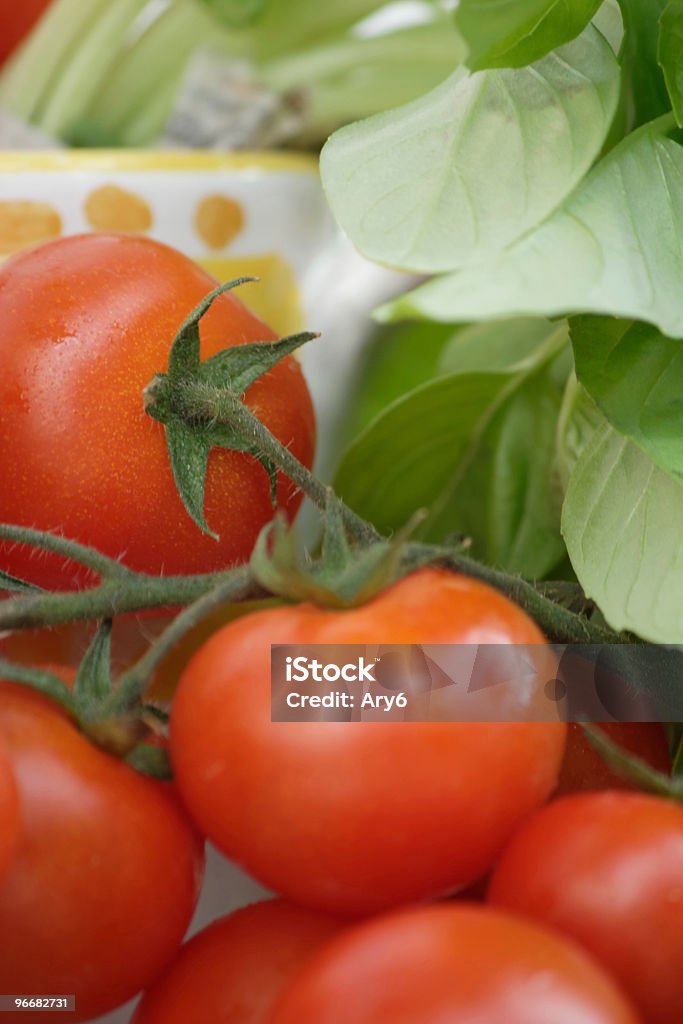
(134, 591)
(133, 682)
(105, 567)
(201, 405)
(139, 592)
(205, 404)
(43, 682)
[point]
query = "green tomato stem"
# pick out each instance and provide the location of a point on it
(202, 403)
(136, 593)
(107, 568)
(133, 683)
(43, 682)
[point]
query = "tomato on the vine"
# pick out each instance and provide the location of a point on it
(607, 869)
(234, 970)
(88, 321)
(9, 813)
(105, 876)
(451, 962)
(353, 817)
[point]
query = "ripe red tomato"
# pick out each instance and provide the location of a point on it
(102, 886)
(9, 814)
(583, 769)
(87, 322)
(234, 970)
(607, 870)
(352, 817)
(16, 21)
(453, 962)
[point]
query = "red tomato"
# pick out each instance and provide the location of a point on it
(87, 322)
(9, 814)
(607, 869)
(102, 886)
(352, 817)
(234, 970)
(583, 769)
(458, 964)
(16, 21)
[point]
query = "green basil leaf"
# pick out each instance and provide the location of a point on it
(635, 375)
(476, 450)
(397, 358)
(670, 54)
(622, 522)
(612, 247)
(503, 345)
(455, 176)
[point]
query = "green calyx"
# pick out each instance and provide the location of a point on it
(350, 570)
(91, 705)
(201, 405)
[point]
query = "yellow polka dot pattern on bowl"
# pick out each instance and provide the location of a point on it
(203, 221)
(218, 219)
(110, 208)
(27, 222)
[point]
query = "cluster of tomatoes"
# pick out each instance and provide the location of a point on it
(373, 833)
(426, 871)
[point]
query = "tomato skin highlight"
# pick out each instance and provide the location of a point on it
(233, 971)
(351, 818)
(584, 770)
(106, 874)
(451, 962)
(606, 869)
(88, 320)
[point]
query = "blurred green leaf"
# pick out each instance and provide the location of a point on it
(236, 13)
(476, 450)
(510, 35)
(506, 345)
(647, 89)
(351, 77)
(398, 359)
(670, 54)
